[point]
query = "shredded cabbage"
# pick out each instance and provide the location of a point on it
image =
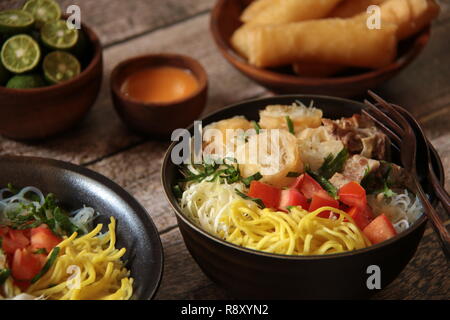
(205, 202)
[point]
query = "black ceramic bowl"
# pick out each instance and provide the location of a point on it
(250, 274)
(76, 186)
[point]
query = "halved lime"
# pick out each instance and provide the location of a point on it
(43, 11)
(15, 21)
(26, 81)
(20, 54)
(60, 66)
(57, 35)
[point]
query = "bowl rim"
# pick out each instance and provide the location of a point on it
(420, 40)
(180, 216)
(86, 73)
(138, 209)
(201, 77)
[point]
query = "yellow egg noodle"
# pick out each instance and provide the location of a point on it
(101, 274)
(298, 232)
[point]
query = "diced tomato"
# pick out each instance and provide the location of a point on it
(379, 230)
(353, 195)
(362, 217)
(322, 199)
(19, 237)
(43, 238)
(25, 264)
(292, 197)
(23, 285)
(268, 194)
(3, 231)
(27, 232)
(307, 185)
(8, 245)
(13, 240)
(42, 257)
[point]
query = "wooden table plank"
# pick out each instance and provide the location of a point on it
(437, 130)
(425, 277)
(183, 278)
(436, 123)
(423, 87)
(444, 15)
(442, 145)
(138, 171)
(116, 21)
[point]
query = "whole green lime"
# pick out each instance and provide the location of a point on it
(26, 81)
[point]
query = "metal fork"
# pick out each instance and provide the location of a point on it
(400, 131)
(425, 157)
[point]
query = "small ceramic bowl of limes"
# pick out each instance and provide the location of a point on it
(50, 72)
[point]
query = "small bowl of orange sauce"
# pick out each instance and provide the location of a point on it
(158, 93)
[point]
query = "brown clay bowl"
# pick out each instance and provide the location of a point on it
(225, 20)
(250, 274)
(30, 114)
(158, 119)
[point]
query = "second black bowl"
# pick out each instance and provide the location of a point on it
(247, 273)
(76, 186)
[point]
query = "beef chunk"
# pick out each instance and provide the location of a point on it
(360, 136)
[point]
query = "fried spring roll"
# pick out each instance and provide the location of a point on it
(254, 8)
(410, 16)
(351, 8)
(345, 9)
(346, 42)
(285, 11)
(240, 39)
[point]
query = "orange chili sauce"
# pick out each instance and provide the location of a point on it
(160, 84)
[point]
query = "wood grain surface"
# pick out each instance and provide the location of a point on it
(102, 143)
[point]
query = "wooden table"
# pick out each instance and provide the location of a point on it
(102, 143)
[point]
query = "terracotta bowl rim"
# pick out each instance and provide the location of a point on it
(190, 64)
(419, 40)
(95, 61)
(180, 216)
